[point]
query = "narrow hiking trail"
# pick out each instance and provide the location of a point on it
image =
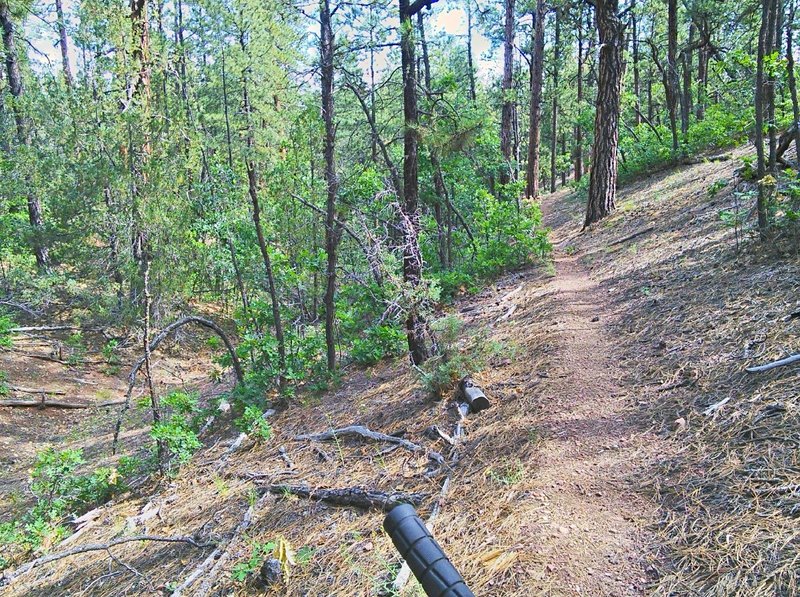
(594, 523)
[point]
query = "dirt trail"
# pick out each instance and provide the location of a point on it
(593, 523)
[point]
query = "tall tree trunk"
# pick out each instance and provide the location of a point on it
(772, 46)
(702, 73)
(62, 42)
(536, 76)
(4, 144)
(470, 64)
(603, 176)
(578, 151)
(252, 190)
(792, 79)
(686, 98)
(438, 177)
(637, 118)
(412, 256)
(554, 115)
(507, 115)
(15, 87)
(671, 74)
(333, 231)
(764, 44)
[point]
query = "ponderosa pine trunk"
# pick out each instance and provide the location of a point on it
(16, 89)
(333, 229)
(507, 113)
(578, 151)
(603, 175)
(62, 42)
(536, 76)
(792, 78)
(438, 177)
(554, 115)
(410, 213)
(686, 97)
(671, 74)
(470, 64)
(637, 117)
(761, 111)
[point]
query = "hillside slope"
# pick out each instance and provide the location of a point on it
(587, 476)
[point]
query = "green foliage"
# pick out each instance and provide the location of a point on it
(6, 325)
(176, 430)
(259, 553)
(60, 492)
(377, 343)
(457, 358)
(715, 187)
(253, 423)
(3, 385)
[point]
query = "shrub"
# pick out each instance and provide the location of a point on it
(253, 423)
(440, 373)
(176, 431)
(378, 342)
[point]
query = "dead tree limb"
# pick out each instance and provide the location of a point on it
(9, 577)
(57, 404)
(37, 391)
(357, 497)
(774, 365)
(154, 343)
(632, 236)
(360, 431)
(217, 559)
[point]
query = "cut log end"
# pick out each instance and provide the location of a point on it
(473, 395)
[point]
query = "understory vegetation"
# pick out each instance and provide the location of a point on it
(319, 186)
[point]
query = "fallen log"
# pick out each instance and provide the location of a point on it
(8, 577)
(774, 365)
(473, 395)
(37, 391)
(57, 404)
(357, 497)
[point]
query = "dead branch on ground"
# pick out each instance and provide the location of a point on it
(10, 577)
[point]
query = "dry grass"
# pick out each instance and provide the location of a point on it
(479, 524)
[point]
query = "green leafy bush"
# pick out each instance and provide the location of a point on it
(176, 430)
(378, 342)
(253, 423)
(6, 324)
(441, 373)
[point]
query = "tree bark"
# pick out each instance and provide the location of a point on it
(671, 74)
(333, 230)
(603, 176)
(686, 97)
(62, 42)
(761, 109)
(536, 75)
(792, 79)
(578, 151)
(636, 79)
(470, 63)
(554, 115)
(410, 214)
(507, 113)
(16, 88)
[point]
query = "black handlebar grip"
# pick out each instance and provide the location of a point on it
(424, 556)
